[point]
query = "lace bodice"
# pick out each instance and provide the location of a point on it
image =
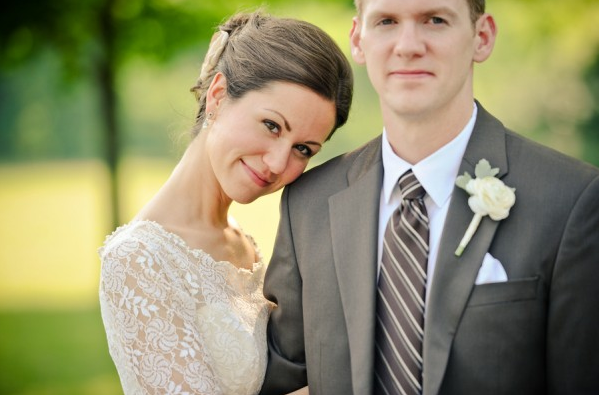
(176, 320)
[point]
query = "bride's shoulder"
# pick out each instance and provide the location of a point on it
(130, 237)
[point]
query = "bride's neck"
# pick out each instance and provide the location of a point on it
(191, 196)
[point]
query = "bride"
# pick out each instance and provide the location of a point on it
(181, 284)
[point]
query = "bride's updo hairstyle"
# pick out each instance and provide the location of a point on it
(255, 49)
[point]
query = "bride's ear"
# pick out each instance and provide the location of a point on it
(217, 91)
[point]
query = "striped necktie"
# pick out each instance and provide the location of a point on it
(401, 294)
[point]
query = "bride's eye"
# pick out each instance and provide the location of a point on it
(304, 150)
(272, 127)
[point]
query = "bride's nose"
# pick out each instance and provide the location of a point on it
(277, 158)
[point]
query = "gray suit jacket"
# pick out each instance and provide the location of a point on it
(537, 333)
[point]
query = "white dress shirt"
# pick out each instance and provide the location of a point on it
(437, 174)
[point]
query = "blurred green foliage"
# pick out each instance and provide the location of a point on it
(590, 126)
(63, 59)
(538, 80)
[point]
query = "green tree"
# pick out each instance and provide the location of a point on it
(97, 37)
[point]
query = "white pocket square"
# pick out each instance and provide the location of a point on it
(491, 271)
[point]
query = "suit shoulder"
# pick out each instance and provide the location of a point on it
(540, 173)
(554, 163)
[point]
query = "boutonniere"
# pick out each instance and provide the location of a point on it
(488, 196)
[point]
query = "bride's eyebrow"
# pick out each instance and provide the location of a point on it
(287, 126)
(313, 143)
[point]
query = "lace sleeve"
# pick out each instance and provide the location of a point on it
(150, 324)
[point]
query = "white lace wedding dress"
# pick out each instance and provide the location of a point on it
(176, 320)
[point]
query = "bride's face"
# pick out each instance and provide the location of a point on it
(264, 140)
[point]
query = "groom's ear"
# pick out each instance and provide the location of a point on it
(355, 38)
(217, 91)
(485, 35)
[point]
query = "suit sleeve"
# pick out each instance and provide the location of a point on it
(286, 369)
(573, 319)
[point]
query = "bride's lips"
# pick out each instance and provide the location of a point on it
(259, 179)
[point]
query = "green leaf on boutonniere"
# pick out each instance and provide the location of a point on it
(461, 181)
(483, 169)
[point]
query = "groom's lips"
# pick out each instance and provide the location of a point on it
(411, 73)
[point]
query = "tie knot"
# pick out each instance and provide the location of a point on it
(410, 187)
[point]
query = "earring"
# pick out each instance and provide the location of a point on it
(208, 117)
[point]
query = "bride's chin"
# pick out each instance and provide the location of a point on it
(246, 200)
(243, 198)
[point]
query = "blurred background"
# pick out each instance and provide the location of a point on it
(94, 113)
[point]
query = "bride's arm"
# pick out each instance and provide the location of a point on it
(301, 391)
(152, 335)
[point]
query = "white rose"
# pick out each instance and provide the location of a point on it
(490, 196)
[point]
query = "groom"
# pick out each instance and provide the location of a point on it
(515, 313)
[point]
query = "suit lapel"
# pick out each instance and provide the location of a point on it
(454, 277)
(354, 228)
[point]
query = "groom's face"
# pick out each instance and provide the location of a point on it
(419, 54)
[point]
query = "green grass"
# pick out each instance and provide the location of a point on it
(55, 352)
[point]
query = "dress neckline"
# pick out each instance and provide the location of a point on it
(198, 252)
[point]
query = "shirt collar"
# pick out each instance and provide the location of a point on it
(436, 173)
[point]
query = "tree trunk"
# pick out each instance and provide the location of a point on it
(108, 103)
